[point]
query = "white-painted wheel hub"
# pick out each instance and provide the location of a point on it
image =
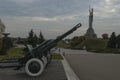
(34, 67)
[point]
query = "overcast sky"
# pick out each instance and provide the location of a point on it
(54, 17)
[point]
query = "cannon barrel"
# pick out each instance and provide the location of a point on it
(53, 42)
(49, 45)
(42, 44)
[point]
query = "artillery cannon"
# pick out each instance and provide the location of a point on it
(36, 59)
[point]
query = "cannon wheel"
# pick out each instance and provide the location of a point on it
(34, 67)
(44, 61)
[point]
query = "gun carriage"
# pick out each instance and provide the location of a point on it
(36, 59)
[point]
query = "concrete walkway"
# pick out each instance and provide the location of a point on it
(69, 71)
(94, 66)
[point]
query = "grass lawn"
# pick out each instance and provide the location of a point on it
(18, 52)
(12, 53)
(92, 44)
(62, 44)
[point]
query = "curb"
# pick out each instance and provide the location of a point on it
(68, 70)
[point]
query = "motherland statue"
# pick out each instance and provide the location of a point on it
(90, 32)
(2, 28)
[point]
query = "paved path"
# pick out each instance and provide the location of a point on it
(54, 71)
(94, 66)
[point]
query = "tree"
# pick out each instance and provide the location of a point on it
(41, 37)
(118, 41)
(77, 40)
(74, 41)
(35, 40)
(112, 41)
(31, 37)
(105, 36)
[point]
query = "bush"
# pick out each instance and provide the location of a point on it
(56, 56)
(108, 50)
(62, 44)
(105, 36)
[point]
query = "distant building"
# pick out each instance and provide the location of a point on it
(90, 31)
(2, 28)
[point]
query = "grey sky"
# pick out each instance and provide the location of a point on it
(53, 17)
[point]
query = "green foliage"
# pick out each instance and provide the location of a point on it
(105, 36)
(33, 39)
(13, 52)
(108, 50)
(56, 56)
(0, 43)
(77, 40)
(112, 41)
(95, 44)
(118, 41)
(92, 44)
(41, 37)
(81, 45)
(62, 44)
(18, 52)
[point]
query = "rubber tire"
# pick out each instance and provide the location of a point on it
(34, 60)
(44, 60)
